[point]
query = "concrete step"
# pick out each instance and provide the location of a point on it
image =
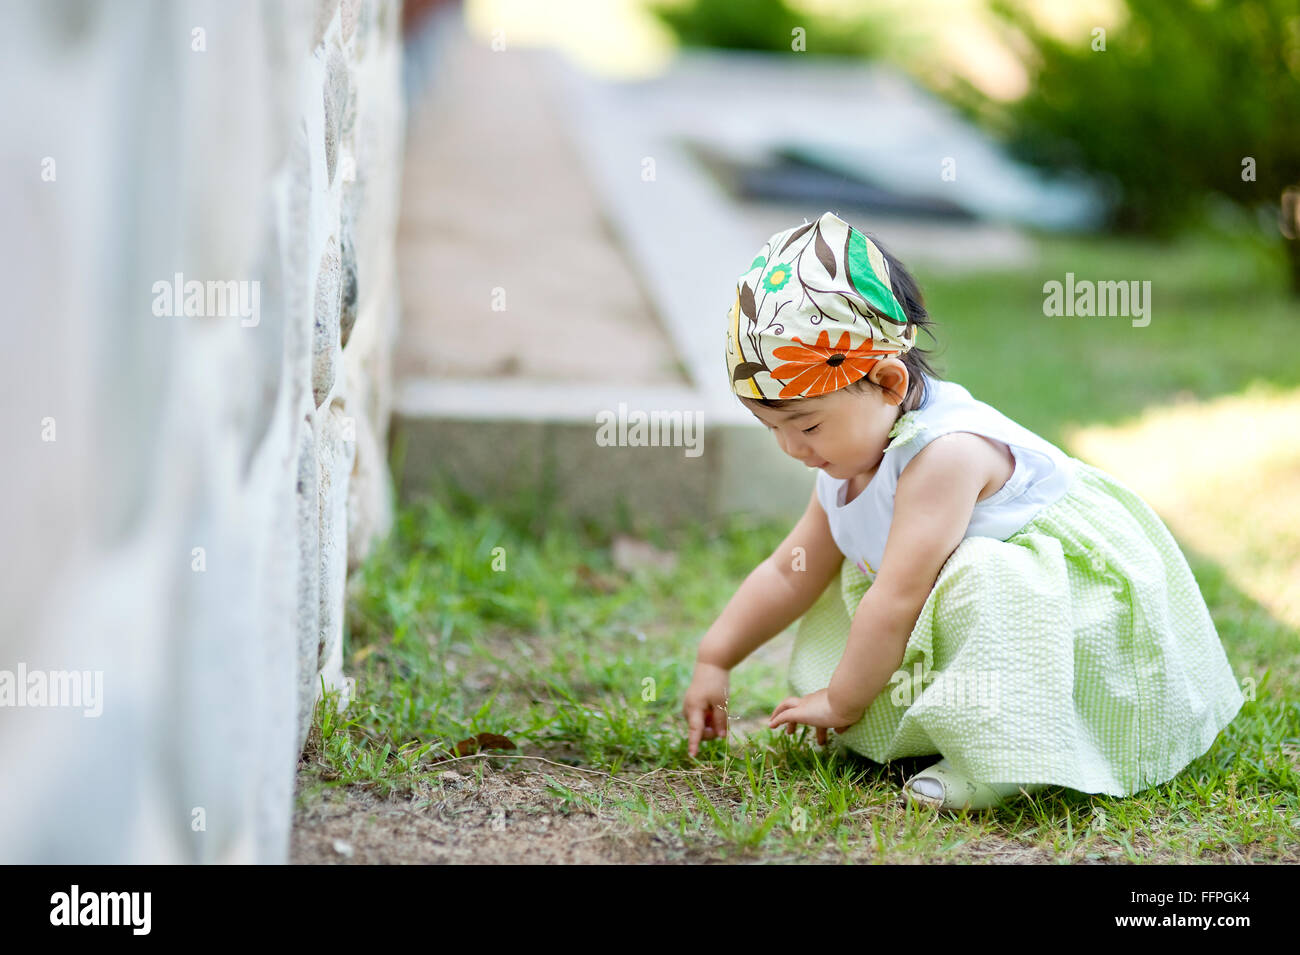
(623, 457)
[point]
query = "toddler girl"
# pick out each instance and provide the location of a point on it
(963, 587)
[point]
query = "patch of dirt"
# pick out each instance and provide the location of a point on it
(509, 816)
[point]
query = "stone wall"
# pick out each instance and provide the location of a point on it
(191, 469)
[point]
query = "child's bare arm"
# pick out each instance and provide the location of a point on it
(774, 595)
(932, 509)
(777, 592)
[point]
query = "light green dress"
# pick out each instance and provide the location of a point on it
(1078, 651)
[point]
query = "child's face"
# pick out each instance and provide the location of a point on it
(844, 433)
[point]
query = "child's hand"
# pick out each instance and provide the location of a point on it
(813, 710)
(705, 707)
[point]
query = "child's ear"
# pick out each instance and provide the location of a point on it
(891, 374)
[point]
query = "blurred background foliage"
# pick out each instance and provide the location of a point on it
(770, 25)
(1164, 110)
(1183, 93)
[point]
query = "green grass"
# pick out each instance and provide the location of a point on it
(1219, 320)
(555, 651)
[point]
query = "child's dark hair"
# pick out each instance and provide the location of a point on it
(909, 296)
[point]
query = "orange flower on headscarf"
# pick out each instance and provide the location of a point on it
(819, 369)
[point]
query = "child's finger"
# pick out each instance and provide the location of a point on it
(780, 707)
(788, 703)
(695, 719)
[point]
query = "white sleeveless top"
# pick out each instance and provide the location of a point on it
(1042, 475)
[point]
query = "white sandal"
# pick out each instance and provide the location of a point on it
(941, 787)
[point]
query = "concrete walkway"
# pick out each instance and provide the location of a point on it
(507, 266)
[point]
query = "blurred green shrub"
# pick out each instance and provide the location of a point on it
(770, 25)
(1182, 95)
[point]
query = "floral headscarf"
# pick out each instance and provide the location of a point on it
(814, 313)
